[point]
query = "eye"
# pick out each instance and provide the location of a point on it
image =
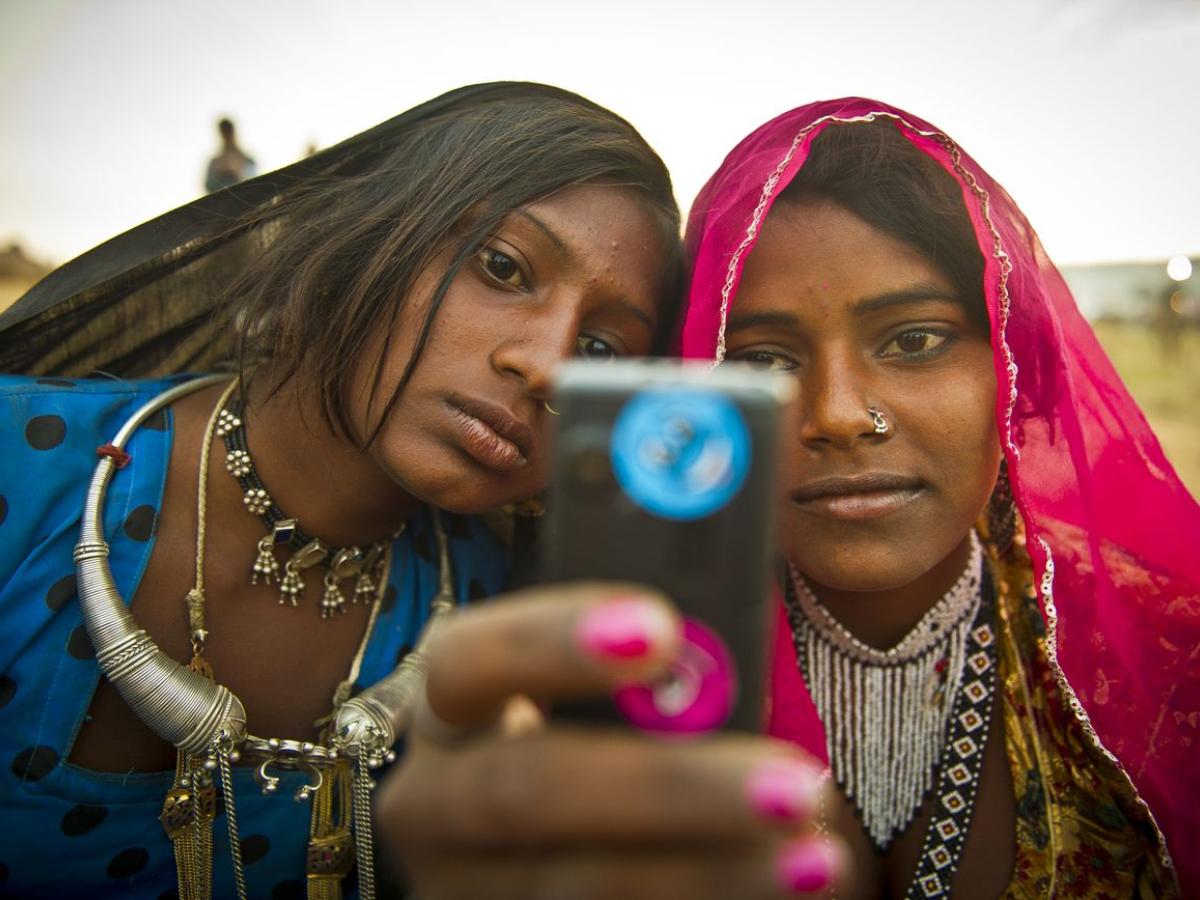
(766, 359)
(593, 348)
(915, 343)
(502, 267)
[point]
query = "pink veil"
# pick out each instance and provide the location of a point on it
(1111, 531)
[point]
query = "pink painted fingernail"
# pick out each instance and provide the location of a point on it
(807, 866)
(625, 628)
(783, 790)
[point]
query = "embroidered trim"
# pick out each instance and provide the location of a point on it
(962, 762)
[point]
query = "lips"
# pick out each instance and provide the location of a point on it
(492, 435)
(866, 496)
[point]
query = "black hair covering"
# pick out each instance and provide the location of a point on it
(142, 304)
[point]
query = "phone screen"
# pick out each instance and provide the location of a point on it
(665, 474)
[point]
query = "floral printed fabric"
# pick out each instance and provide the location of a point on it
(1082, 832)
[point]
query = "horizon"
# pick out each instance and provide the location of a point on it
(1084, 113)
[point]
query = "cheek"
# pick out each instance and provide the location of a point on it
(960, 434)
(376, 374)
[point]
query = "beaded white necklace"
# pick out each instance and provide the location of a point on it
(885, 712)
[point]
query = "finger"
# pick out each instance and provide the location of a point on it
(803, 868)
(589, 787)
(559, 641)
(520, 717)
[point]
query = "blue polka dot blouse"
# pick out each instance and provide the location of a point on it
(70, 832)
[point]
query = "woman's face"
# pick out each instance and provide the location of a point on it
(863, 320)
(579, 273)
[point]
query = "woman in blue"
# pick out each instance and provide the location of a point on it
(394, 307)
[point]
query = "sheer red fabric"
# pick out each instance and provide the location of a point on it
(1111, 530)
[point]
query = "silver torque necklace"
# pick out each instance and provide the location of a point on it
(885, 712)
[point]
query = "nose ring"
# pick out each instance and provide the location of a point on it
(550, 409)
(878, 420)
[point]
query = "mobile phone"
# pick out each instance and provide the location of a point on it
(664, 473)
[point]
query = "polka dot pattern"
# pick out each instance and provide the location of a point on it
(457, 526)
(45, 432)
(100, 836)
(140, 523)
(254, 848)
(128, 862)
(83, 818)
(421, 545)
(60, 592)
(158, 421)
(34, 763)
(389, 599)
(79, 645)
(292, 889)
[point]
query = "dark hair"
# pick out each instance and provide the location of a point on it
(874, 172)
(348, 248)
(225, 126)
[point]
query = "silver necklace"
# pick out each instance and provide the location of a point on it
(885, 712)
(284, 532)
(206, 719)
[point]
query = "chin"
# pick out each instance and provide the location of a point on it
(862, 567)
(470, 496)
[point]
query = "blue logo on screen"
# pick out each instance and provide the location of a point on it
(680, 453)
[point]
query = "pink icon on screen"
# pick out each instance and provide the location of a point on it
(696, 696)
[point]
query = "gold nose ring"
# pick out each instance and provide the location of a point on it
(550, 409)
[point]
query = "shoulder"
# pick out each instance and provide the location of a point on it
(49, 431)
(49, 413)
(52, 426)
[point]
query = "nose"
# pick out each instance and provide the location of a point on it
(837, 403)
(544, 339)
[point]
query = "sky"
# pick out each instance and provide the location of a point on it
(1087, 111)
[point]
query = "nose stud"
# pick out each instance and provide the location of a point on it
(878, 420)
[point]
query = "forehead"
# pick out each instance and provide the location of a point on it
(597, 220)
(816, 254)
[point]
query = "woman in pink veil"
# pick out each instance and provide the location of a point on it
(1087, 540)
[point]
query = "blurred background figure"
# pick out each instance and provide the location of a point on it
(232, 164)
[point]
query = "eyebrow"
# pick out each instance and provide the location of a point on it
(563, 250)
(637, 313)
(917, 293)
(753, 320)
(565, 253)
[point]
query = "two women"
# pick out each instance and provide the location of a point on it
(928, 349)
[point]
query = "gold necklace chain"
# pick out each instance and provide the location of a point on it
(195, 598)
